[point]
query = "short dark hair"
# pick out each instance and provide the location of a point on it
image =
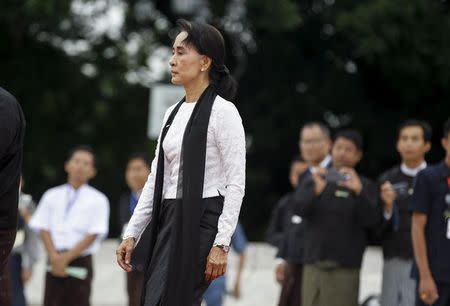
(446, 130)
(84, 148)
(140, 155)
(425, 126)
(325, 130)
(352, 135)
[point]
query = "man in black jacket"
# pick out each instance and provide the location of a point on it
(136, 173)
(396, 191)
(314, 144)
(337, 207)
(281, 214)
(12, 130)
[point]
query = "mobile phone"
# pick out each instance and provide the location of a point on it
(334, 176)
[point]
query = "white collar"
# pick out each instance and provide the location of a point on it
(323, 164)
(413, 172)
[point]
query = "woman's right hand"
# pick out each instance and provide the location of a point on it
(124, 252)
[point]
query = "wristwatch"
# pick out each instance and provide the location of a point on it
(225, 248)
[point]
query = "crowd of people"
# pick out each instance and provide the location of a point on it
(323, 226)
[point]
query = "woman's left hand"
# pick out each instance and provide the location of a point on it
(216, 264)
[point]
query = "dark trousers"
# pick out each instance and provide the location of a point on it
(444, 296)
(292, 286)
(159, 265)
(7, 237)
(17, 290)
(135, 282)
(69, 291)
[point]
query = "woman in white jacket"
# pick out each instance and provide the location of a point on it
(195, 190)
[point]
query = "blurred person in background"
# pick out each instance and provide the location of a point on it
(136, 173)
(12, 130)
(280, 213)
(25, 252)
(314, 144)
(194, 192)
(217, 289)
(72, 220)
(396, 190)
(430, 207)
(337, 206)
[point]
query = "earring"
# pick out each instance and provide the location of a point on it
(203, 69)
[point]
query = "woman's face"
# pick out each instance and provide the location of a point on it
(186, 63)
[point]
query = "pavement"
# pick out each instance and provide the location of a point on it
(258, 284)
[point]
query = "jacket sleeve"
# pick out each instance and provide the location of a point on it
(304, 198)
(276, 226)
(368, 213)
(124, 214)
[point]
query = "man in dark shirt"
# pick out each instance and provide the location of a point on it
(431, 230)
(12, 130)
(396, 189)
(136, 174)
(314, 144)
(281, 214)
(337, 207)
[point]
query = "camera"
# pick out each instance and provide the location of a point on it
(334, 176)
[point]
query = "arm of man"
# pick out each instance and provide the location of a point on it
(427, 287)
(60, 261)
(240, 268)
(368, 213)
(385, 201)
(55, 259)
(239, 243)
(307, 194)
(420, 206)
(274, 234)
(79, 248)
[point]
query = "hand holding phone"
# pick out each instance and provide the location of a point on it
(334, 176)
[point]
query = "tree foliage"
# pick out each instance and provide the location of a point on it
(364, 64)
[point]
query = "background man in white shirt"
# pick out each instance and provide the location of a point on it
(72, 219)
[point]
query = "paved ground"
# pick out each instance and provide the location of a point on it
(259, 287)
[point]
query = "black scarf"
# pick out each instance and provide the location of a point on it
(185, 242)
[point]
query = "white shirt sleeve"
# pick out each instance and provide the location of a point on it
(230, 138)
(100, 224)
(40, 221)
(142, 214)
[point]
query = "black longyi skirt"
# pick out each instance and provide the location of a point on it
(159, 265)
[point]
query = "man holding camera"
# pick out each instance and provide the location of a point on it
(337, 207)
(314, 145)
(396, 191)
